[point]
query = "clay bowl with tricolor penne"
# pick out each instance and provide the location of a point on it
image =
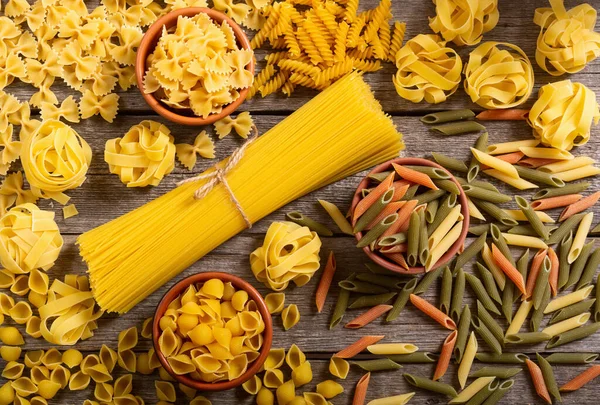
(410, 215)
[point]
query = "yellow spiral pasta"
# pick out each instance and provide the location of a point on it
(562, 116)
(567, 41)
(55, 159)
(498, 78)
(464, 22)
(29, 239)
(427, 69)
(289, 252)
(143, 156)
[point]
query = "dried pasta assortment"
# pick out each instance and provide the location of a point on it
(212, 332)
(198, 65)
(464, 22)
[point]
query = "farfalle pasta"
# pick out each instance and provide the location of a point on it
(208, 337)
(143, 156)
(464, 22)
(106, 106)
(12, 192)
(290, 252)
(563, 114)
(203, 146)
(55, 159)
(427, 69)
(567, 41)
(498, 75)
(10, 149)
(68, 109)
(198, 65)
(242, 125)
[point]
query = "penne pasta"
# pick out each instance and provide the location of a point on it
(572, 358)
(480, 144)
(360, 392)
(568, 299)
(487, 336)
(466, 362)
(524, 241)
(548, 375)
(393, 400)
(508, 269)
(495, 163)
(445, 226)
(580, 236)
(445, 355)
(541, 284)
(431, 311)
(579, 206)
(371, 300)
(368, 317)
(358, 346)
(447, 116)
(514, 114)
(373, 210)
(403, 216)
(519, 318)
(576, 269)
(555, 202)
(553, 277)
(571, 311)
(567, 325)
(392, 348)
(581, 379)
(536, 265)
(534, 163)
(546, 153)
(443, 246)
(566, 165)
(402, 299)
(376, 365)
(518, 183)
(446, 291)
(364, 204)
(509, 147)
(303, 220)
(589, 271)
(518, 215)
(538, 381)
(579, 173)
(337, 217)
(389, 209)
(488, 282)
(572, 188)
(474, 211)
(414, 176)
(458, 128)
(493, 267)
(430, 385)
(449, 163)
(325, 282)
(471, 390)
(573, 335)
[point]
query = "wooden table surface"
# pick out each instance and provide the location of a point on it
(102, 197)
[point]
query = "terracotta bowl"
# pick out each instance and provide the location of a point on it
(149, 41)
(462, 198)
(239, 284)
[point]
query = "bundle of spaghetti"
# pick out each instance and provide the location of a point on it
(341, 131)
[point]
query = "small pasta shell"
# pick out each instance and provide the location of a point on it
(275, 302)
(72, 357)
(339, 367)
(79, 381)
(165, 391)
(13, 370)
(290, 316)
(127, 339)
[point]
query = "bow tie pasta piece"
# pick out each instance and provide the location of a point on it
(563, 114)
(498, 78)
(37, 70)
(237, 60)
(91, 104)
(10, 149)
(242, 125)
(143, 156)
(73, 55)
(567, 41)
(464, 22)
(202, 146)
(129, 39)
(11, 67)
(236, 11)
(427, 69)
(74, 28)
(55, 158)
(11, 192)
(290, 252)
(68, 109)
(29, 239)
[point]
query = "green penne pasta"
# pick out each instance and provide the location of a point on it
(303, 220)
(572, 188)
(458, 128)
(478, 183)
(589, 271)
(597, 306)
(522, 267)
(507, 301)
(538, 313)
(379, 177)
(341, 305)
(595, 230)
(499, 392)
(485, 195)
(488, 282)
(430, 385)
(500, 372)
(371, 300)
(401, 300)
(486, 335)
(495, 212)
(392, 240)
(480, 229)
(470, 251)
(548, 377)
(383, 280)
(429, 196)
(374, 210)
(443, 210)
(423, 238)
(501, 244)
(563, 230)
(534, 220)
(449, 163)
(480, 144)
(431, 210)
(410, 193)
(377, 269)
(504, 358)
(579, 264)
(376, 365)
(481, 293)
(571, 311)
(541, 283)
(538, 176)
(362, 287)
(571, 358)
(447, 185)
(414, 227)
(463, 327)
(447, 116)
(458, 291)
(435, 173)
(483, 393)
(527, 338)
(489, 321)
(446, 291)
(416, 358)
(527, 230)
(374, 233)
(575, 334)
(427, 280)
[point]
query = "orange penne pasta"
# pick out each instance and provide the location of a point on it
(414, 176)
(358, 346)
(432, 312)
(553, 279)
(400, 188)
(403, 216)
(368, 317)
(401, 248)
(364, 204)
(398, 258)
(536, 265)
(534, 163)
(508, 269)
(445, 355)
(391, 208)
(360, 392)
(511, 158)
(580, 205)
(325, 281)
(555, 202)
(538, 381)
(503, 115)
(581, 379)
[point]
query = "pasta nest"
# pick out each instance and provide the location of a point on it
(29, 239)
(563, 114)
(498, 78)
(567, 41)
(290, 252)
(143, 156)
(427, 69)
(55, 158)
(464, 21)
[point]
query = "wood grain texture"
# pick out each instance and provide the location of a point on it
(102, 197)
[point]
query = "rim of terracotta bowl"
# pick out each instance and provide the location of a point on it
(446, 257)
(148, 44)
(239, 284)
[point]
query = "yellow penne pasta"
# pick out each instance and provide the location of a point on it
(509, 147)
(448, 240)
(519, 318)
(518, 215)
(579, 173)
(337, 216)
(471, 390)
(563, 166)
(519, 184)
(444, 227)
(495, 163)
(467, 361)
(546, 153)
(580, 236)
(568, 324)
(392, 348)
(569, 299)
(395, 400)
(499, 276)
(474, 211)
(524, 241)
